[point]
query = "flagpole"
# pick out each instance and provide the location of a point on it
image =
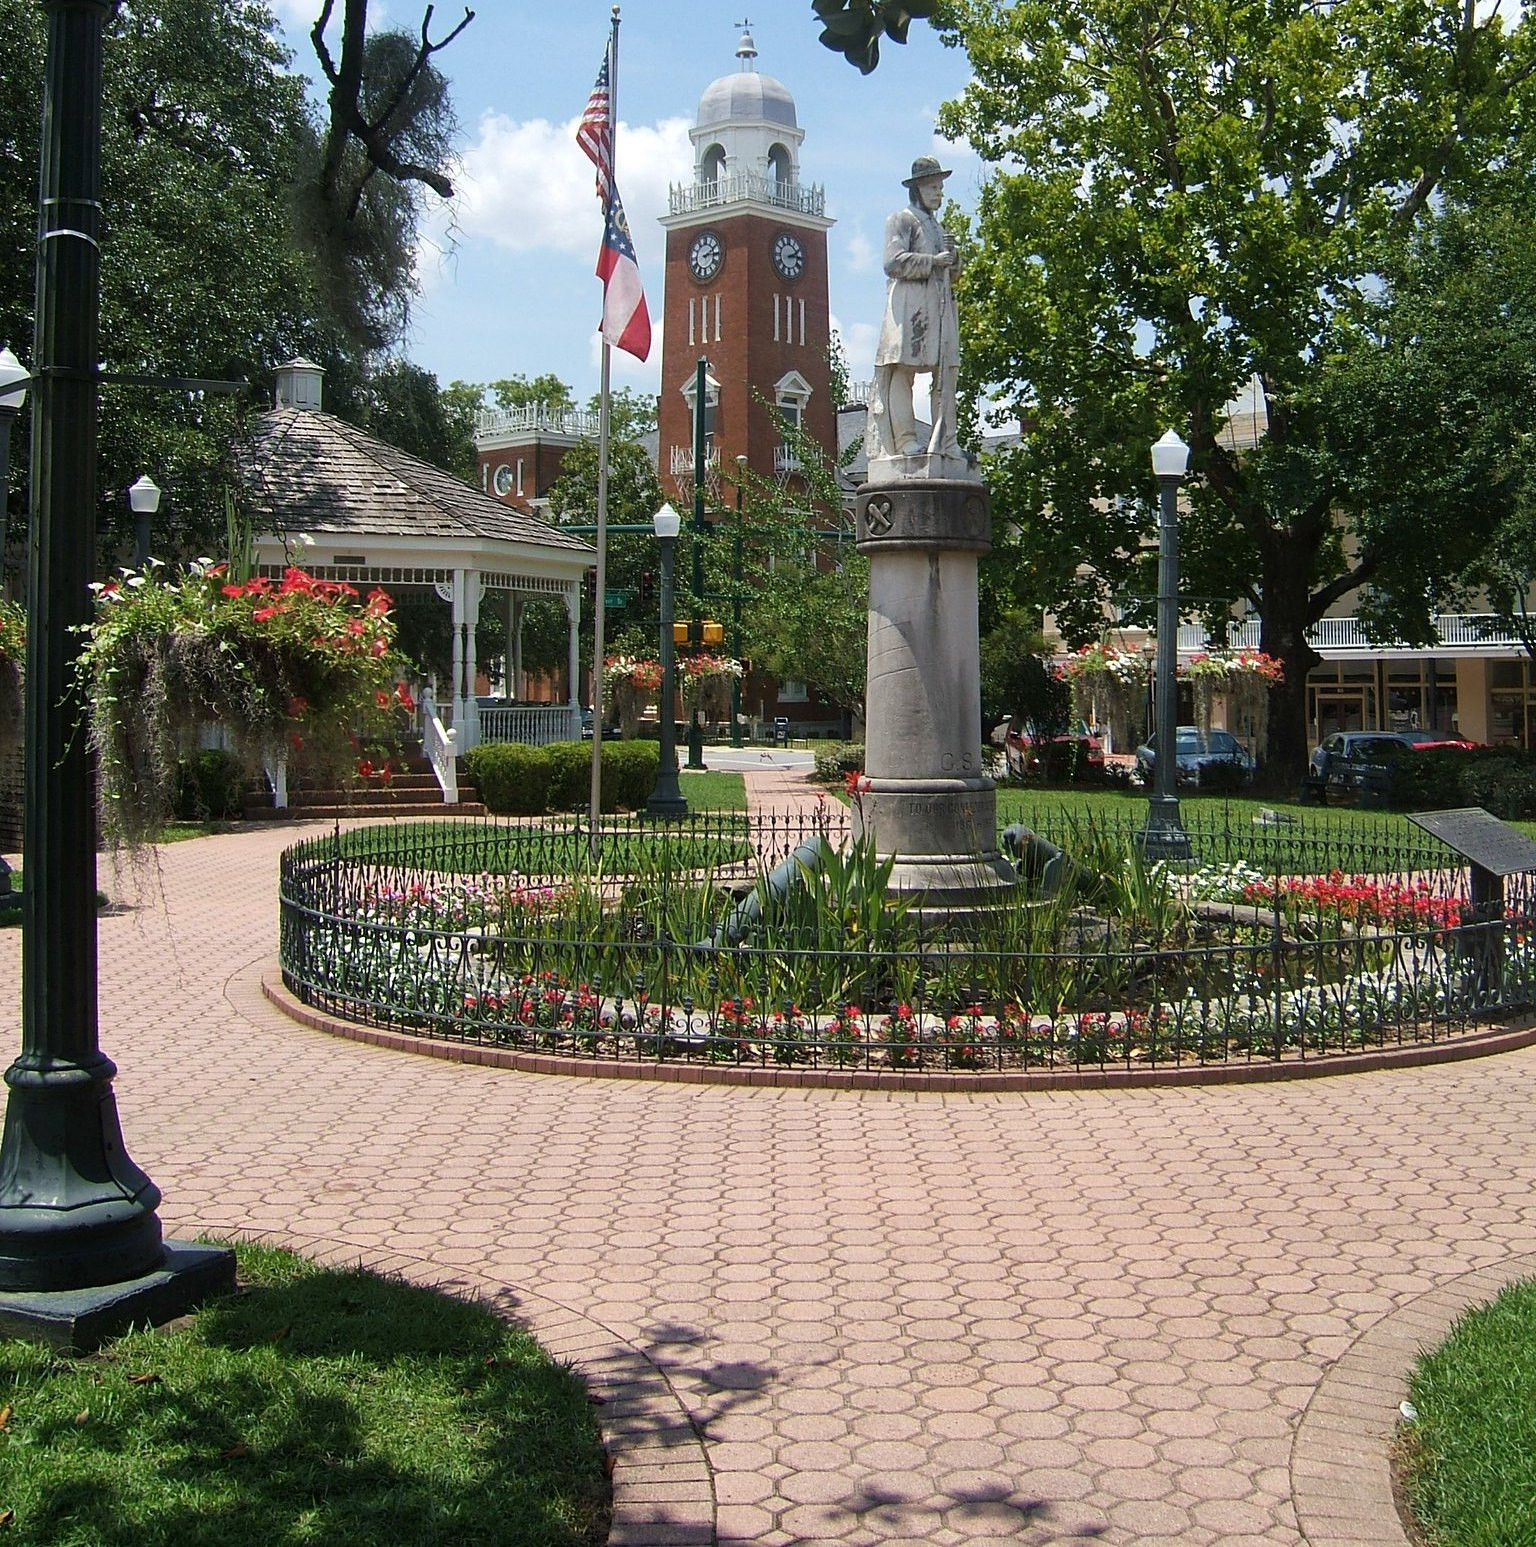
(604, 420)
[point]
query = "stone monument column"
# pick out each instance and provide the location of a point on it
(926, 800)
(923, 518)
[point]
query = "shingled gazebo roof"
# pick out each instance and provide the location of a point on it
(314, 473)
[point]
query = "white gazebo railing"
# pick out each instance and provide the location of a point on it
(440, 747)
(532, 724)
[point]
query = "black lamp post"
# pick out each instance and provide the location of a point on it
(667, 800)
(143, 501)
(699, 528)
(1164, 837)
(81, 1255)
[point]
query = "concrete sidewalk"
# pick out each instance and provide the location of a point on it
(1151, 1316)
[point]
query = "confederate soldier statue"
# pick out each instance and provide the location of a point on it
(921, 328)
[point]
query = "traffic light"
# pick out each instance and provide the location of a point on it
(589, 591)
(714, 633)
(647, 587)
(679, 633)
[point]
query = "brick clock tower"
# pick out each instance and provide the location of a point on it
(746, 288)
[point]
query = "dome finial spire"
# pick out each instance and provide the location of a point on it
(746, 50)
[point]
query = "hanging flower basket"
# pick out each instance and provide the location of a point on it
(293, 666)
(13, 660)
(1242, 679)
(631, 682)
(706, 684)
(1109, 690)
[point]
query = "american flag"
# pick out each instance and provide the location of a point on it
(626, 322)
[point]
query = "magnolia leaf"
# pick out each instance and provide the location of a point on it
(5, 1416)
(83, 1416)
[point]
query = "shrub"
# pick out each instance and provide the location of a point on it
(1502, 780)
(513, 779)
(210, 786)
(570, 770)
(629, 773)
(837, 759)
(518, 780)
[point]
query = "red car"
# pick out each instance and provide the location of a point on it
(1054, 756)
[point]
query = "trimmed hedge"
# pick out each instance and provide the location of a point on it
(1502, 780)
(837, 759)
(518, 780)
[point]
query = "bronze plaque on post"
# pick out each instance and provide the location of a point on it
(1480, 837)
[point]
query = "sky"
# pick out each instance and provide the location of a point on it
(507, 282)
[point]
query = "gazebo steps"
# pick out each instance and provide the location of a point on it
(304, 810)
(414, 792)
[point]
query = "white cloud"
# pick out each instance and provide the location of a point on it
(858, 252)
(526, 187)
(858, 347)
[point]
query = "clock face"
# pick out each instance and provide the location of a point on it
(503, 480)
(788, 256)
(705, 255)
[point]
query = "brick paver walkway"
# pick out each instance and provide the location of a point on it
(1151, 1316)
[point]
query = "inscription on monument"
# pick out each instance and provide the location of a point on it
(1481, 837)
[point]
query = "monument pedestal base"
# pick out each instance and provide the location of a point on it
(942, 834)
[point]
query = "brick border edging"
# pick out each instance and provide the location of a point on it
(1411, 1055)
(663, 1487)
(1341, 1457)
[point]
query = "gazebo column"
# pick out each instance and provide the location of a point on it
(473, 590)
(573, 654)
(456, 686)
(515, 685)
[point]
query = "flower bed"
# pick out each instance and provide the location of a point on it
(646, 958)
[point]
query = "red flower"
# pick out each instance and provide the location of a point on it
(407, 703)
(295, 740)
(380, 647)
(234, 590)
(262, 614)
(382, 699)
(364, 768)
(296, 708)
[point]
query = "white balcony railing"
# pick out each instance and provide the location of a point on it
(743, 187)
(1344, 636)
(681, 460)
(507, 421)
(787, 459)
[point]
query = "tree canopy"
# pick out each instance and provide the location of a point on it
(1188, 200)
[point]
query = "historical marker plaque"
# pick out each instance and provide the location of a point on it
(1482, 838)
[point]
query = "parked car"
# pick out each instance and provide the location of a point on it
(1198, 755)
(1349, 764)
(1027, 752)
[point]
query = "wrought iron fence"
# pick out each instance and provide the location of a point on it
(764, 941)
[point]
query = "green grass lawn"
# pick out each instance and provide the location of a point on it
(316, 1405)
(1469, 1462)
(713, 790)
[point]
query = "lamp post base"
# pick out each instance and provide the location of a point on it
(84, 1319)
(1164, 837)
(75, 1211)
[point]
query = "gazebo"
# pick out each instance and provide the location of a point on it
(345, 506)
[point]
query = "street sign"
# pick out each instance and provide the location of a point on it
(615, 598)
